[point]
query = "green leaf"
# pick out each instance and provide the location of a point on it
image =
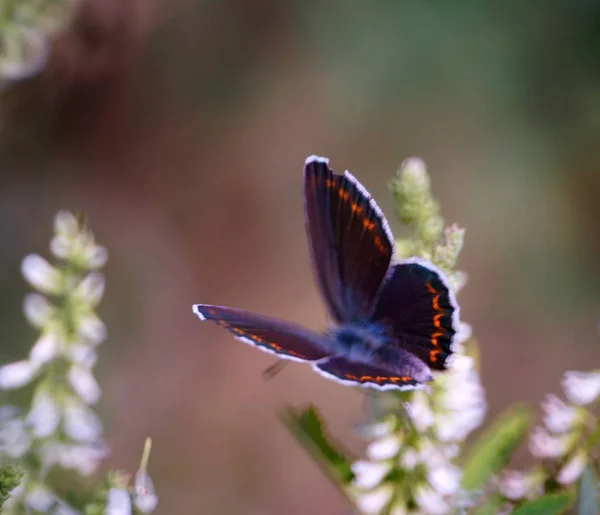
(551, 504)
(493, 449)
(587, 500)
(307, 427)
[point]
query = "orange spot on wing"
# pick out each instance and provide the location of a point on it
(379, 379)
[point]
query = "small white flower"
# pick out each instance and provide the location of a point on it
(80, 423)
(444, 479)
(409, 459)
(118, 502)
(82, 354)
(14, 439)
(82, 458)
(420, 412)
(95, 256)
(90, 289)
(571, 471)
(581, 387)
(42, 275)
(544, 445)
(514, 485)
(66, 224)
(39, 499)
(384, 448)
(375, 501)
(61, 246)
(38, 309)
(144, 495)
(430, 501)
(91, 328)
(558, 416)
(464, 333)
(368, 474)
(44, 415)
(17, 374)
(84, 384)
(46, 348)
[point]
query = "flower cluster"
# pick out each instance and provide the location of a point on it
(59, 428)
(562, 443)
(27, 26)
(416, 436)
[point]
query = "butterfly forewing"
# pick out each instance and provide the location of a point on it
(271, 335)
(350, 240)
(419, 310)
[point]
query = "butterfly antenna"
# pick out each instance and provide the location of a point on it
(274, 369)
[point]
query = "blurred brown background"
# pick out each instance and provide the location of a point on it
(181, 128)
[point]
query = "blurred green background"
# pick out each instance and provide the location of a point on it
(181, 128)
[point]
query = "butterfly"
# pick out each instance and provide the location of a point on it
(393, 322)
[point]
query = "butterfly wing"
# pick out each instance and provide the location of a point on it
(350, 240)
(284, 339)
(418, 307)
(396, 370)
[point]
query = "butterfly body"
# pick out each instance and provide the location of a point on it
(357, 341)
(393, 322)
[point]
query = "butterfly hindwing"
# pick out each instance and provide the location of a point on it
(350, 240)
(419, 309)
(401, 371)
(284, 339)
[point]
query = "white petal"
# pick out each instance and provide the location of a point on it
(82, 354)
(90, 289)
(84, 384)
(65, 223)
(42, 275)
(368, 474)
(82, 458)
(38, 309)
(544, 445)
(61, 246)
(44, 415)
(144, 495)
(14, 439)
(46, 348)
(409, 459)
(384, 448)
(39, 498)
(445, 479)
(572, 469)
(581, 387)
(558, 416)
(118, 502)
(92, 328)
(95, 256)
(513, 485)
(430, 501)
(81, 423)
(17, 374)
(420, 411)
(375, 501)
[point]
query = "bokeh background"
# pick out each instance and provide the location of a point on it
(181, 128)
